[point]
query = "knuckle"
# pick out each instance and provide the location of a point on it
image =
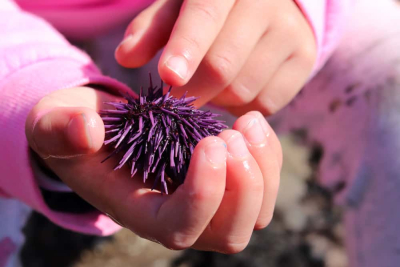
(308, 54)
(240, 94)
(206, 193)
(288, 22)
(204, 9)
(191, 41)
(219, 69)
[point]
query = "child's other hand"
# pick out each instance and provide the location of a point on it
(230, 189)
(241, 54)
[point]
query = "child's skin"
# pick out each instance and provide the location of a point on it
(244, 55)
(250, 55)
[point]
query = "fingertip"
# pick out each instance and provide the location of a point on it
(85, 131)
(264, 123)
(263, 222)
(215, 150)
(147, 34)
(274, 140)
(254, 126)
(66, 132)
(207, 170)
(77, 133)
(131, 52)
(174, 70)
(241, 123)
(256, 114)
(237, 147)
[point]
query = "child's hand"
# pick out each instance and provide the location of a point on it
(230, 189)
(244, 54)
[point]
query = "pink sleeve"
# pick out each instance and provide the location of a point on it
(34, 61)
(327, 19)
(83, 19)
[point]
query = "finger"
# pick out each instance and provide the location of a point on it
(230, 229)
(291, 75)
(228, 54)
(265, 148)
(147, 33)
(66, 132)
(281, 89)
(196, 28)
(271, 51)
(65, 123)
(189, 210)
(287, 82)
(273, 140)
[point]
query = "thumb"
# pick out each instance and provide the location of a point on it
(64, 132)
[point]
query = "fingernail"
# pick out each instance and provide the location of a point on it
(216, 153)
(237, 147)
(81, 139)
(179, 65)
(254, 133)
(262, 120)
(37, 145)
(264, 125)
(129, 41)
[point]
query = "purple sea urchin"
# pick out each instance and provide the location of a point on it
(157, 133)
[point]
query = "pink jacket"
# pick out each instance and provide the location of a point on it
(35, 60)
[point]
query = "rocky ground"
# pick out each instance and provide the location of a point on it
(306, 231)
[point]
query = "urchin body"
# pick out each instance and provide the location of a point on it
(156, 133)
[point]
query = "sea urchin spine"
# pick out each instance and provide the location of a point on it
(157, 133)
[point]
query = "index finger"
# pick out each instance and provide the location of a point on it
(196, 28)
